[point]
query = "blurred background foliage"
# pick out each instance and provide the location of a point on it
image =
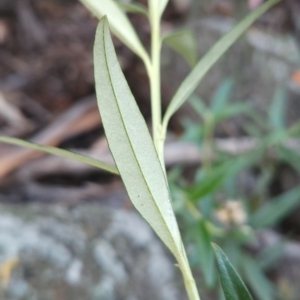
(230, 197)
(235, 180)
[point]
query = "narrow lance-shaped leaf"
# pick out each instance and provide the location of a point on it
(204, 65)
(232, 284)
(130, 143)
(120, 24)
(60, 152)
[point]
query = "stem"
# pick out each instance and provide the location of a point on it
(189, 281)
(155, 84)
(158, 135)
(191, 289)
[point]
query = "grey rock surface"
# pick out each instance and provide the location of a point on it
(86, 252)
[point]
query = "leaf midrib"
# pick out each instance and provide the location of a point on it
(128, 137)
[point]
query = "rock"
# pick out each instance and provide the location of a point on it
(87, 252)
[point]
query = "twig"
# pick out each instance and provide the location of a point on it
(81, 117)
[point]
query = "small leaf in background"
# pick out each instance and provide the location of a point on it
(190, 83)
(260, 284)
(232, 284)
(205, 252)
(136, 8)
(119, 22)
(275, 209)
(231, 111)
(290, 156)
(183, 42)
(60, 152)
(198, 105)
(221, 95)
(215, 177)
(277, 110)
(131, 144)
(193, 132)
(209, 181)
(270, 255)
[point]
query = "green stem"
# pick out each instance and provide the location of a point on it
(189, 281)
(155, 83)
(158, 137)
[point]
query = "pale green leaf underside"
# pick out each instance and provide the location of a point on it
(60, 152)
(131, 144)
(203, 66)
(119, 22)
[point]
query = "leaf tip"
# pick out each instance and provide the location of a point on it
(214, 246)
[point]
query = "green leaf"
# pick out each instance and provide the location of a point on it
(60, 152)
(210, 181)
(131, 145)
(205, 252)
(217, 175)
(133, 8)
(275, 209)
(221, 96)
(290, 156)
(198, 105)
(192, 132)
(231, 111)
(232, 284)
(277, 110)
(119, 22)
(204, 65)
(183, 42)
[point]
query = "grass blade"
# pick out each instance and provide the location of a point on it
(60, 152)
(131, 144)
(203, 66)
(232, 284)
